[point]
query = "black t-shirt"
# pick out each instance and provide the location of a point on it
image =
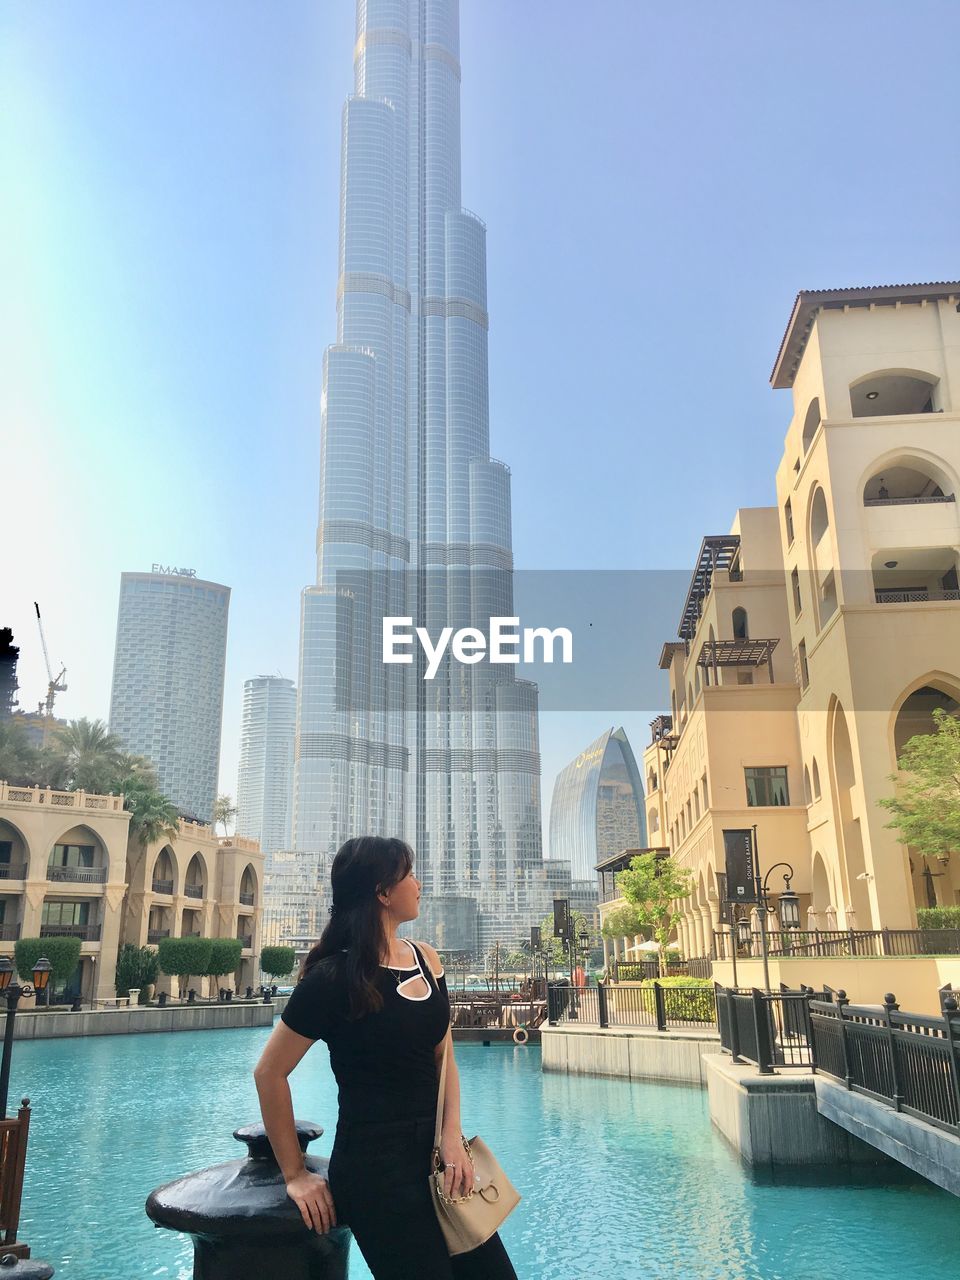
(384, 1062)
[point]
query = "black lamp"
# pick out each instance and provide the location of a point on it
(744, 932)
(789, 908)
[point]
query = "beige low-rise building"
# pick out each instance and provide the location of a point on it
(68, 867)
(818, 636)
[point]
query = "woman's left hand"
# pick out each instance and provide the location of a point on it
(458, 1173)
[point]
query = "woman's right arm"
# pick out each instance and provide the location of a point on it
(308, 1190)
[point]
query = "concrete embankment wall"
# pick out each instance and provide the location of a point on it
(630, 1055)
(144, 1018)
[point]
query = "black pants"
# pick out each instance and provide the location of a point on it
(378, 1179)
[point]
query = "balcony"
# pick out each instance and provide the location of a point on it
(193, 890)
(247, 899)
(78, 875)
(9, 932)
(246, 939)
(162, 886)
(156, 935)
(85, 932)
(190, 933)
(908, 502)
(13, 870)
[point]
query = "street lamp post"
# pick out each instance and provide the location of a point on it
(789, 905)
(14, 993)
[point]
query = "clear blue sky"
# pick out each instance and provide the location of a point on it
(658, 181)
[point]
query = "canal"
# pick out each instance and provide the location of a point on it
(620, 1181)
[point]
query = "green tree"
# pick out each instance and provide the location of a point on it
(184, 957)
(623, 923)
(224, 812)
(224, 956)
(926, 806)
(63, 954)
(152, 816)
(652, 886)
(91, 752)
(278, 962)
(137, 967)
(18, 759)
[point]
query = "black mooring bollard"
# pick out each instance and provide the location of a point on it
(14, 1268)
(242, 1221)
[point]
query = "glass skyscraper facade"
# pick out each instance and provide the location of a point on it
(414, 513)
(265, 776)
(166, 699)
(597, 807)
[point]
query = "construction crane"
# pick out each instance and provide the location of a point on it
(54, 686)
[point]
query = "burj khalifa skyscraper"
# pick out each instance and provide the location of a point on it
(414, 516)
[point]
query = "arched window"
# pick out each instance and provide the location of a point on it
(810, 423)
(740, 631)
(807, 793)
(819, 520)
(689, 695)
(816, 779)
(788, 520)
(653, 821)
(894, 391)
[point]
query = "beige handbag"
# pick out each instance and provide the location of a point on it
(467, 1221)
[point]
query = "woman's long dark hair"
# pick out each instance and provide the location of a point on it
(363, 867)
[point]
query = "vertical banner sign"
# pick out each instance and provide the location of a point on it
(534, 937)
(726, 907)
(740, 865)
(561, 918)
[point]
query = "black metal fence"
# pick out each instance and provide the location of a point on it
(656, 1006)
(844, 942)
(910, 1061)
(768, 1028)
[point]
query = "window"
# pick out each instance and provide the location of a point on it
(740, 624)
(6, 848)
(703, 790)
(816, 780)
(788, 520)
(795, 588)
(766, 786)
(744, 677)
(72, 855)
(65, 913)
(803, 670)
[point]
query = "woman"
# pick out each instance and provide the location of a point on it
(381, 1005)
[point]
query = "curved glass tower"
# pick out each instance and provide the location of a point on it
(414, 513)
(597, 807)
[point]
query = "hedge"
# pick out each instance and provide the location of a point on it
(224, 956)
(938, 917)
(184, 957)
(278, 962)
(700, 1007)
(63, 954)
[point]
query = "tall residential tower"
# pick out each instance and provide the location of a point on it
(166, 702)
(265, 777)
(414, 513)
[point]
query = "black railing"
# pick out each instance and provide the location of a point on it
(163, 886)
(85, 932)
(247, 899)
(246, 939)
(656, 1006)
(9, 932)
(193, 890)
(844, 942)
(13, 870)
(768, 1028)
(156, 935)
(907, 1060)
(78, 875)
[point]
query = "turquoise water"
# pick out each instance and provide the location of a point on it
(618, 1180)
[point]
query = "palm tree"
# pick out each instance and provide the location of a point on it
(132, 771)
(224, 811)
(152, 816)
(18, 759)
(91, 752)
